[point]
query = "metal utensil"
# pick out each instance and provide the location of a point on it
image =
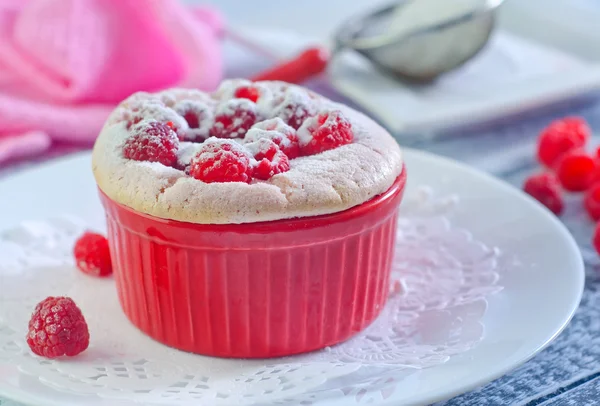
(422, 54)
(416, 55)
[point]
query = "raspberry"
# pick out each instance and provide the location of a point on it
(199, 117)
(192, 119)
(247, 92)
(221, 161)
(324, 132)
(545, 189)
(576, 171)
(152, 141)
(92, 255)
(277, 131)
(270, 159)
(57, 328)
(228, 87)
(591, 202)
(560, 137)
(233, 118)
(295, 107)
(156, 110)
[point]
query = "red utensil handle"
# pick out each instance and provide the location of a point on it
(309, 63)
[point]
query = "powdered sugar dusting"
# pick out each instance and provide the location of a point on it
(270, 160)
(142, 134)
(277, 131)
(169, 106)
(212, 146)
(222, 160)
(277, 100)
(164, 172)
(229, 107)
(256, 134)
(170, 97)
(199, 117)
(152, 141)
(187, 150)
(153, 109)
(326, 182)
(270, 99)
(275, 124)
(329, 130)
(297, 96)
(120, 114)
(295, 107)
(305, 131)
(260, 146)
(233, 118)
(226, 90)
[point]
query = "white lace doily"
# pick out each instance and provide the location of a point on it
(442, 277)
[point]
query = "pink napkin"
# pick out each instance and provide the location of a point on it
(65, 64)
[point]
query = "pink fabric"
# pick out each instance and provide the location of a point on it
(65, 64)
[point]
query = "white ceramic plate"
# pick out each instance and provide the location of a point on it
(542, 280)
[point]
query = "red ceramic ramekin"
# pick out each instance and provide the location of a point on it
(255, 290)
